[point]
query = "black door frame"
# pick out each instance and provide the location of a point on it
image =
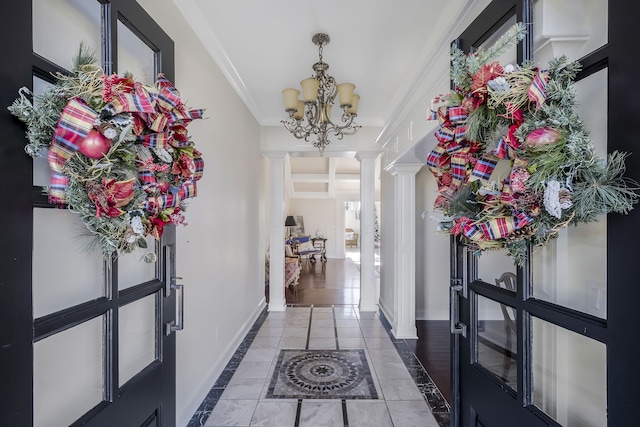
(19, 330)
(623, 346)
(623, 350)
(16, 330)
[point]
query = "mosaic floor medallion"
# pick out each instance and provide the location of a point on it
(322, 374)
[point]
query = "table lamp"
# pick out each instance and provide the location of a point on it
(289, 222)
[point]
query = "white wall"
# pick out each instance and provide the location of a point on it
(221, 252)
(321, 214)
(432, 254)
(408, 129)
(386, 245)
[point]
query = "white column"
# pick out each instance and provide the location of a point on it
(277, 300)
(368, 300)
(404, 286)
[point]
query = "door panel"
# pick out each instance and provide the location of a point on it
(572, 271)
(496, 340)
(66, 384)
(57, 242)
(102, 324)
(138, 336)
(536, 354)
(71, 21)
(569, 376)
(492, 264)
(134, 56)
(132, 270)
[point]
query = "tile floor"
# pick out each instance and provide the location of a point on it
(406, 395)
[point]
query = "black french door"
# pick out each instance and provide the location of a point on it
(552, 343)
(118, 328)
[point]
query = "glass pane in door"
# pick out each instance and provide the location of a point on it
(569, 376)
(60, 245)
(41, 169)
(133, 270)
(496, 340)
(492, 265)
(509, 56)
(137, 336)
(572, 271)
(134, 56)
(59, 26)
(569, 28)
(68, 377)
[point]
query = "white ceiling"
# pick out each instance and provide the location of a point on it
(264, 46)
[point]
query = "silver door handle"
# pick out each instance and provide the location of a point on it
(456, 327)
(179, 324)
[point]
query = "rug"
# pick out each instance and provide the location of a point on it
(322, 374)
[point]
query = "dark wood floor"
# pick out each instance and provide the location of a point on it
(337, 282)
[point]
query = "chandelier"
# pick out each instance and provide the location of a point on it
(318, 95)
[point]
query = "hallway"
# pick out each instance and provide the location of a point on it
(333, 365)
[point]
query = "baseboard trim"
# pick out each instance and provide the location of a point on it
(387, 313)
(197, 398)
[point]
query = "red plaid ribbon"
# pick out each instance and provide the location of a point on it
(497, 228)
(199, 161)
(138, 101)
(453, 151)
(76, 120)
(155, 140)
(537, 89)
(484, 168)
(187, 190)
(148, 180)
(472, 231)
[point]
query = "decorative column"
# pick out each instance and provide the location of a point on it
(368, 300)
(404, 236)
(277, 300)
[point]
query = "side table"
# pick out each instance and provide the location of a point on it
(319, 243)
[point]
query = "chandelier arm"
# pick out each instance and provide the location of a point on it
(348, 125)
(312, 113)
(318, 125)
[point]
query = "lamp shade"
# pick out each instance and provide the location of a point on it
(290, 98)
(354, 104)
(345, 92)
(310, 89)
(289, 222)
(299, 114)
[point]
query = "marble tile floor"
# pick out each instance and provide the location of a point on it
(406, 395)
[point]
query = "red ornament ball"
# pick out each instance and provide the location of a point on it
(95, 145)
(542, 136)
(163, 186)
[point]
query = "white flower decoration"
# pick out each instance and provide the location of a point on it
(163, 155)
(552, 202)
(499, 84)
(136, 225)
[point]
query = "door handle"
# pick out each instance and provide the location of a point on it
(177, 325)
(456, 327)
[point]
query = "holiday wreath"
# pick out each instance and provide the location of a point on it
(522, 119)
(119, 152)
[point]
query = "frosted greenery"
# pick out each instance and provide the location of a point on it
(41, 113)
(589, 186)
(118, 208)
